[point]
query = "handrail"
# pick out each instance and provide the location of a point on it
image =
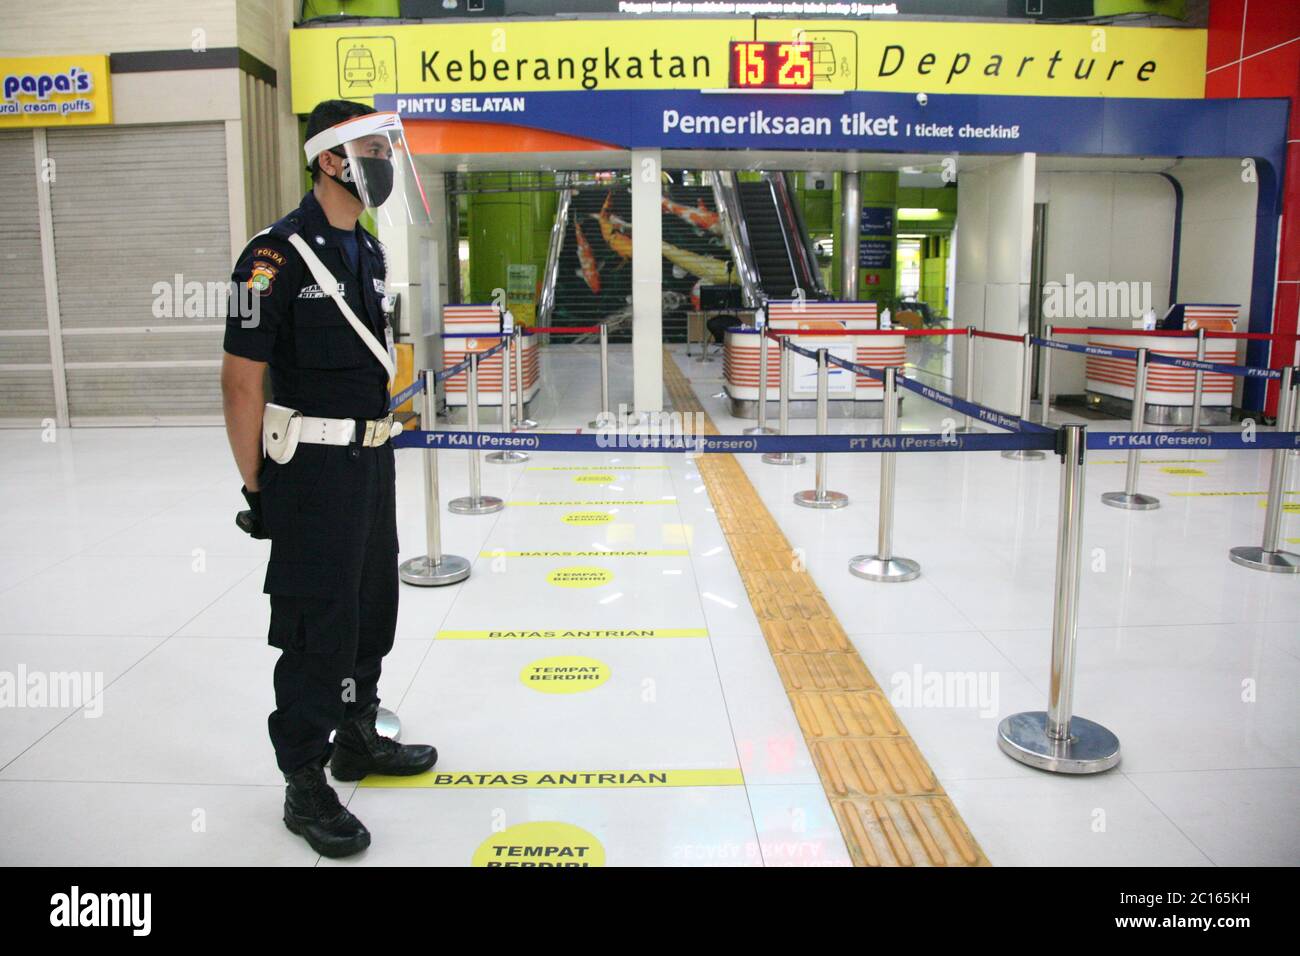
(727, 198)
(795, 271)
(810, 278)
(546, 300)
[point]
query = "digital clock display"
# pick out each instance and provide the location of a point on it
(771, 65)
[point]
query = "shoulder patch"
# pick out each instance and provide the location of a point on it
(266, 252)
(262, 276)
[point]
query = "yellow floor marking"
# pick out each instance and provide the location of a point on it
(557, 779)
(572, 634)
(890, 807)
(605, 553)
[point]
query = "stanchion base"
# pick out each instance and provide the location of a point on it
(831, 499)
(759, 430)
(1024, 454)
(388, 724)
(1091, 747)
(482, 505)
(525, 425)
(505, 457)
(452, 569)
(1133, 502)
(1249, 556)
(884, 569)
(605, 420)
(784, 458)
(973, 430)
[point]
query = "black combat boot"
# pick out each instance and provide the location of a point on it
(312, 810)
(360, 750)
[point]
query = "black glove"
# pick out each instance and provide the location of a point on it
(250, 521)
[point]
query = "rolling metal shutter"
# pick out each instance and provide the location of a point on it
(141, 218)
(26, 380)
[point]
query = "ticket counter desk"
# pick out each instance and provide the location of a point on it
(459, 320)
(851, 396)
(1169, 388)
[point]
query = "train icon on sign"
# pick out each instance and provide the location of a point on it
(366, 66)
(359, 67)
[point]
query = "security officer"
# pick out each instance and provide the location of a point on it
(317, 465)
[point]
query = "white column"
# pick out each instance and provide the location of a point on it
(53, 317)
(995, 210)
(647, 283)
(415, 274)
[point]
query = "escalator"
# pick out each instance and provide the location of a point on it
(768, 240)
(589, 272)
(781, 253)
(748, 234)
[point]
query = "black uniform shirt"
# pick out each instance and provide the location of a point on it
(319, 365)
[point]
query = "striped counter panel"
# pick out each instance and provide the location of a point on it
(1166, 384)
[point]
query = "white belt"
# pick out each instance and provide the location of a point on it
(342, 431)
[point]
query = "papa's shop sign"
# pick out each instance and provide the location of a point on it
(55, 91)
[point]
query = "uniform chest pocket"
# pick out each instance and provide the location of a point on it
(324, 339)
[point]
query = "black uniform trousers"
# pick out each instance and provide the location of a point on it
(332, 578)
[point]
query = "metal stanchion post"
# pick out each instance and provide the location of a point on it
(704, 343)
(433, 568)
(819, 497)
(760, 415)
(387, 724)
(784, 457)
(521, 423)
(967, 427)
(507, 456)
(604, 419)
(1045, 387)
(1270, 556)
(1026, 386)
(1055, 739)
(475, 503)
(1130, 498)
(1200, 381)
(884, 565)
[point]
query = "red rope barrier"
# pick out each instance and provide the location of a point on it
(1000, 336)
(815, 333)
(1177, 333)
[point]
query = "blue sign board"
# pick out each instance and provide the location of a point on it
(876, 254)
(877, 220)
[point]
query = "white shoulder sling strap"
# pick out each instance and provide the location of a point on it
(325, 279)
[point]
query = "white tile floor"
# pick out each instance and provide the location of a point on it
(119, 560)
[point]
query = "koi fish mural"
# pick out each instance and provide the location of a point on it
(699, 217)
(588, 270)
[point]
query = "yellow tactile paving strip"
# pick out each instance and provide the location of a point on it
(890, 807)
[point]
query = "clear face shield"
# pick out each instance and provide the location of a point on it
(378, 167)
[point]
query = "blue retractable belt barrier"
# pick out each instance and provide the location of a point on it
(723, 444)
(408, 393)
(854, 367)
(473, 335)
(989, 415)
(464, 365)
(1241, 371)
(1102, 350)
(1193, 440)
(985, 414)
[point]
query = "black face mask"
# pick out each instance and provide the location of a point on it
(377, 172)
